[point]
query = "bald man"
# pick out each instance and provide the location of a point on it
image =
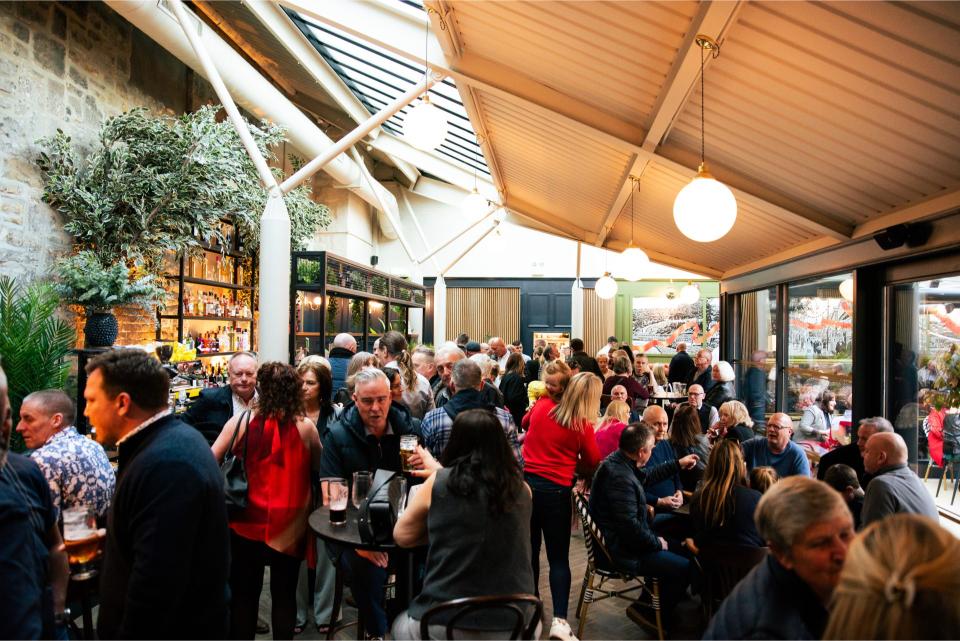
(661, 491)
(895, 487)
(776, 450)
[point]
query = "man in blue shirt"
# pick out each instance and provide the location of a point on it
(776, 450)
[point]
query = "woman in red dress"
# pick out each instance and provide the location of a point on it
(280, 449)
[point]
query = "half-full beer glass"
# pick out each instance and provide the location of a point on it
(81, 539)
(339, 494)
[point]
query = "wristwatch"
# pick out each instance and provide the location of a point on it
(62, 618)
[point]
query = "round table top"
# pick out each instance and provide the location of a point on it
(347, 534)
(669, 397)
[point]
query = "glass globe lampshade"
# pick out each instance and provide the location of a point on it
(633, 262)
(846, 289)
(705, 209)
(425, 126)
(606, 287)
(689, 294)
(474, 205)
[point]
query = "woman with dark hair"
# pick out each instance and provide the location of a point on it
(280, 449)
(474, 513)
(816, 421)
(512, 387)
(686, 437)
(722, 509)
(622, 375)
(416, 394)
(317, 392)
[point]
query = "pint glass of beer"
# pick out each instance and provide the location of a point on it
(339, 495)
(408, 447)
(81, 538)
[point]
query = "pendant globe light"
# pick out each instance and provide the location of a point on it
(689, 294)
(606, 287)
(705, 209)
(425, 126)
(633, 260)
(846, 289)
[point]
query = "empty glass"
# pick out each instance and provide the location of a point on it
(361, 487)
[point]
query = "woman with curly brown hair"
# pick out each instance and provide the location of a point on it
(280, 448)
(416, 395)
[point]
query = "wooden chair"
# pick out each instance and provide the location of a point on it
(722, 567)
(594, 590)
(512, 603)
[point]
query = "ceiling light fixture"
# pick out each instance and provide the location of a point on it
(689, 294)
(475, 204)
(846, 289)
(606, 287)
(705, 209)
(425, 126)
(633, 260)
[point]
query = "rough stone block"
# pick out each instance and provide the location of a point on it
(21, 31)
(49, 53)
(77, 77)
(37, 13)
(59, 25)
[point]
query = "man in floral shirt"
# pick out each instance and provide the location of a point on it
(76, 468)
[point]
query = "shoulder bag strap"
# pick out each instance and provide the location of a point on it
(246, 435)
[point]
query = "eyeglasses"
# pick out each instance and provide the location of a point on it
(697, 394)
(780, 427)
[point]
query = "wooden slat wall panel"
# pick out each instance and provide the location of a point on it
(483, 312)
(749, 341)
(598, 321)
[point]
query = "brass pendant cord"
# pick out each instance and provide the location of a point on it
(702, 100)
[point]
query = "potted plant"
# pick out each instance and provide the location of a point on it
(98, 288)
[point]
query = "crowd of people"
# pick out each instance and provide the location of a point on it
(505, 439)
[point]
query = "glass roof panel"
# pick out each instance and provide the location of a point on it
(376, 77)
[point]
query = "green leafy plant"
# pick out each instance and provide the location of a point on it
(947, 384)
(85, 281)
(157, 183)
(34, 342)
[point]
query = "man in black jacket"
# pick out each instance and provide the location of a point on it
(344, 347)
(681, 365)
(587, 363)
(366, 437)
(214, 407)
(619, 506)
(167, 553)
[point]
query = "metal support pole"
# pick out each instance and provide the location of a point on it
(458, 235)
(357, 134)
(274, 325)
(386, 212)
(576, 301)
(472, 245)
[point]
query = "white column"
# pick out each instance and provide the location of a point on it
(274, 325)
(439, 311)
(576, 311)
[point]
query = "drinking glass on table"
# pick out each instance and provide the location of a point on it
(408, 447)
(339, 494)
(361, 487)
(81, 539)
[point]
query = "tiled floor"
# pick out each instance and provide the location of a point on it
(606, 619)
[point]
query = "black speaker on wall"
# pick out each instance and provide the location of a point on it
(911, 235)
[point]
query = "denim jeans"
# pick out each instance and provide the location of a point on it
(673, 571)
(366, 584)
(550, 518)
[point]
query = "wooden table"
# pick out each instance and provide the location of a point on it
(663, 400)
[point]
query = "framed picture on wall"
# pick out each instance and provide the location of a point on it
(658, 324)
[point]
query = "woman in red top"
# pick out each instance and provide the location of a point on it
(280, 448)
(560, 433)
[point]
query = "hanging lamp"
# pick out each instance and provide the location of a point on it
(705, 209)
(633, 260)
(425, 126)
(606, 287)
(689, 294)
(846, 289)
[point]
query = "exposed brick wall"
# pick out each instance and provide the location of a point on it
(69, 65)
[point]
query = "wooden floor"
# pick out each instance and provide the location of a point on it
(606, 619)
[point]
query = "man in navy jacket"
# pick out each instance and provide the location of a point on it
(167, 552)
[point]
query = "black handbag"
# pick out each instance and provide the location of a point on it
(233, 471)
(378, 512)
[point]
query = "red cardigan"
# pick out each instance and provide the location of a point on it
(550, 450)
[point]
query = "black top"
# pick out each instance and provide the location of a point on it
(739, 433)
(720, 393)
(739, 529)
(681, 366)
(348, 448)
(532, 370)
(704, 379)
(514, 396)
(587, 363)
(210, 411)
(167, 553)
(847, 455)
(26, 518)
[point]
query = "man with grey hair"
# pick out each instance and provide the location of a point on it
(366, 437)
(852, 453)
(776, 450)
(895, 488)
(446, 357)
(214, 407)
(467, 381)
(343, 349)
(77, 469)
(424, 362)
(808, 528)
(33, 561)
(702, 373)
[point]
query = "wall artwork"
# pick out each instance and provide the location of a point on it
(659, 324)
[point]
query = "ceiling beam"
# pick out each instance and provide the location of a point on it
(670, 261)
(638, 164)
(942, 203)
(453, 174)
(797, 251)
(402, 34)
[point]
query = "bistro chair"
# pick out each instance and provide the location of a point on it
(951, 462)
(722, 567)
(515, 604)
(600, 569)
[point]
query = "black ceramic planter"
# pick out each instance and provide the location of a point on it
(101, 329)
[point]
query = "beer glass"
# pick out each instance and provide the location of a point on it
(339, 495)
(408, 447)
(361, 487)
(81, 539)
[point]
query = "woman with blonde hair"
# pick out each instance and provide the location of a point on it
(561, 435)
(763, 477)
(417, 394)
(660, 374)
(608, 430)
(900, 581)
(722, 509)
(735, 423)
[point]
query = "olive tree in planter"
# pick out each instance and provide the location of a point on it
(99, 288)
(154, 184)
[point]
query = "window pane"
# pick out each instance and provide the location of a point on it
(820, 349)
(757, 361)
(921, 373)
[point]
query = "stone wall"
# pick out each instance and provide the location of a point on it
(69, 65)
